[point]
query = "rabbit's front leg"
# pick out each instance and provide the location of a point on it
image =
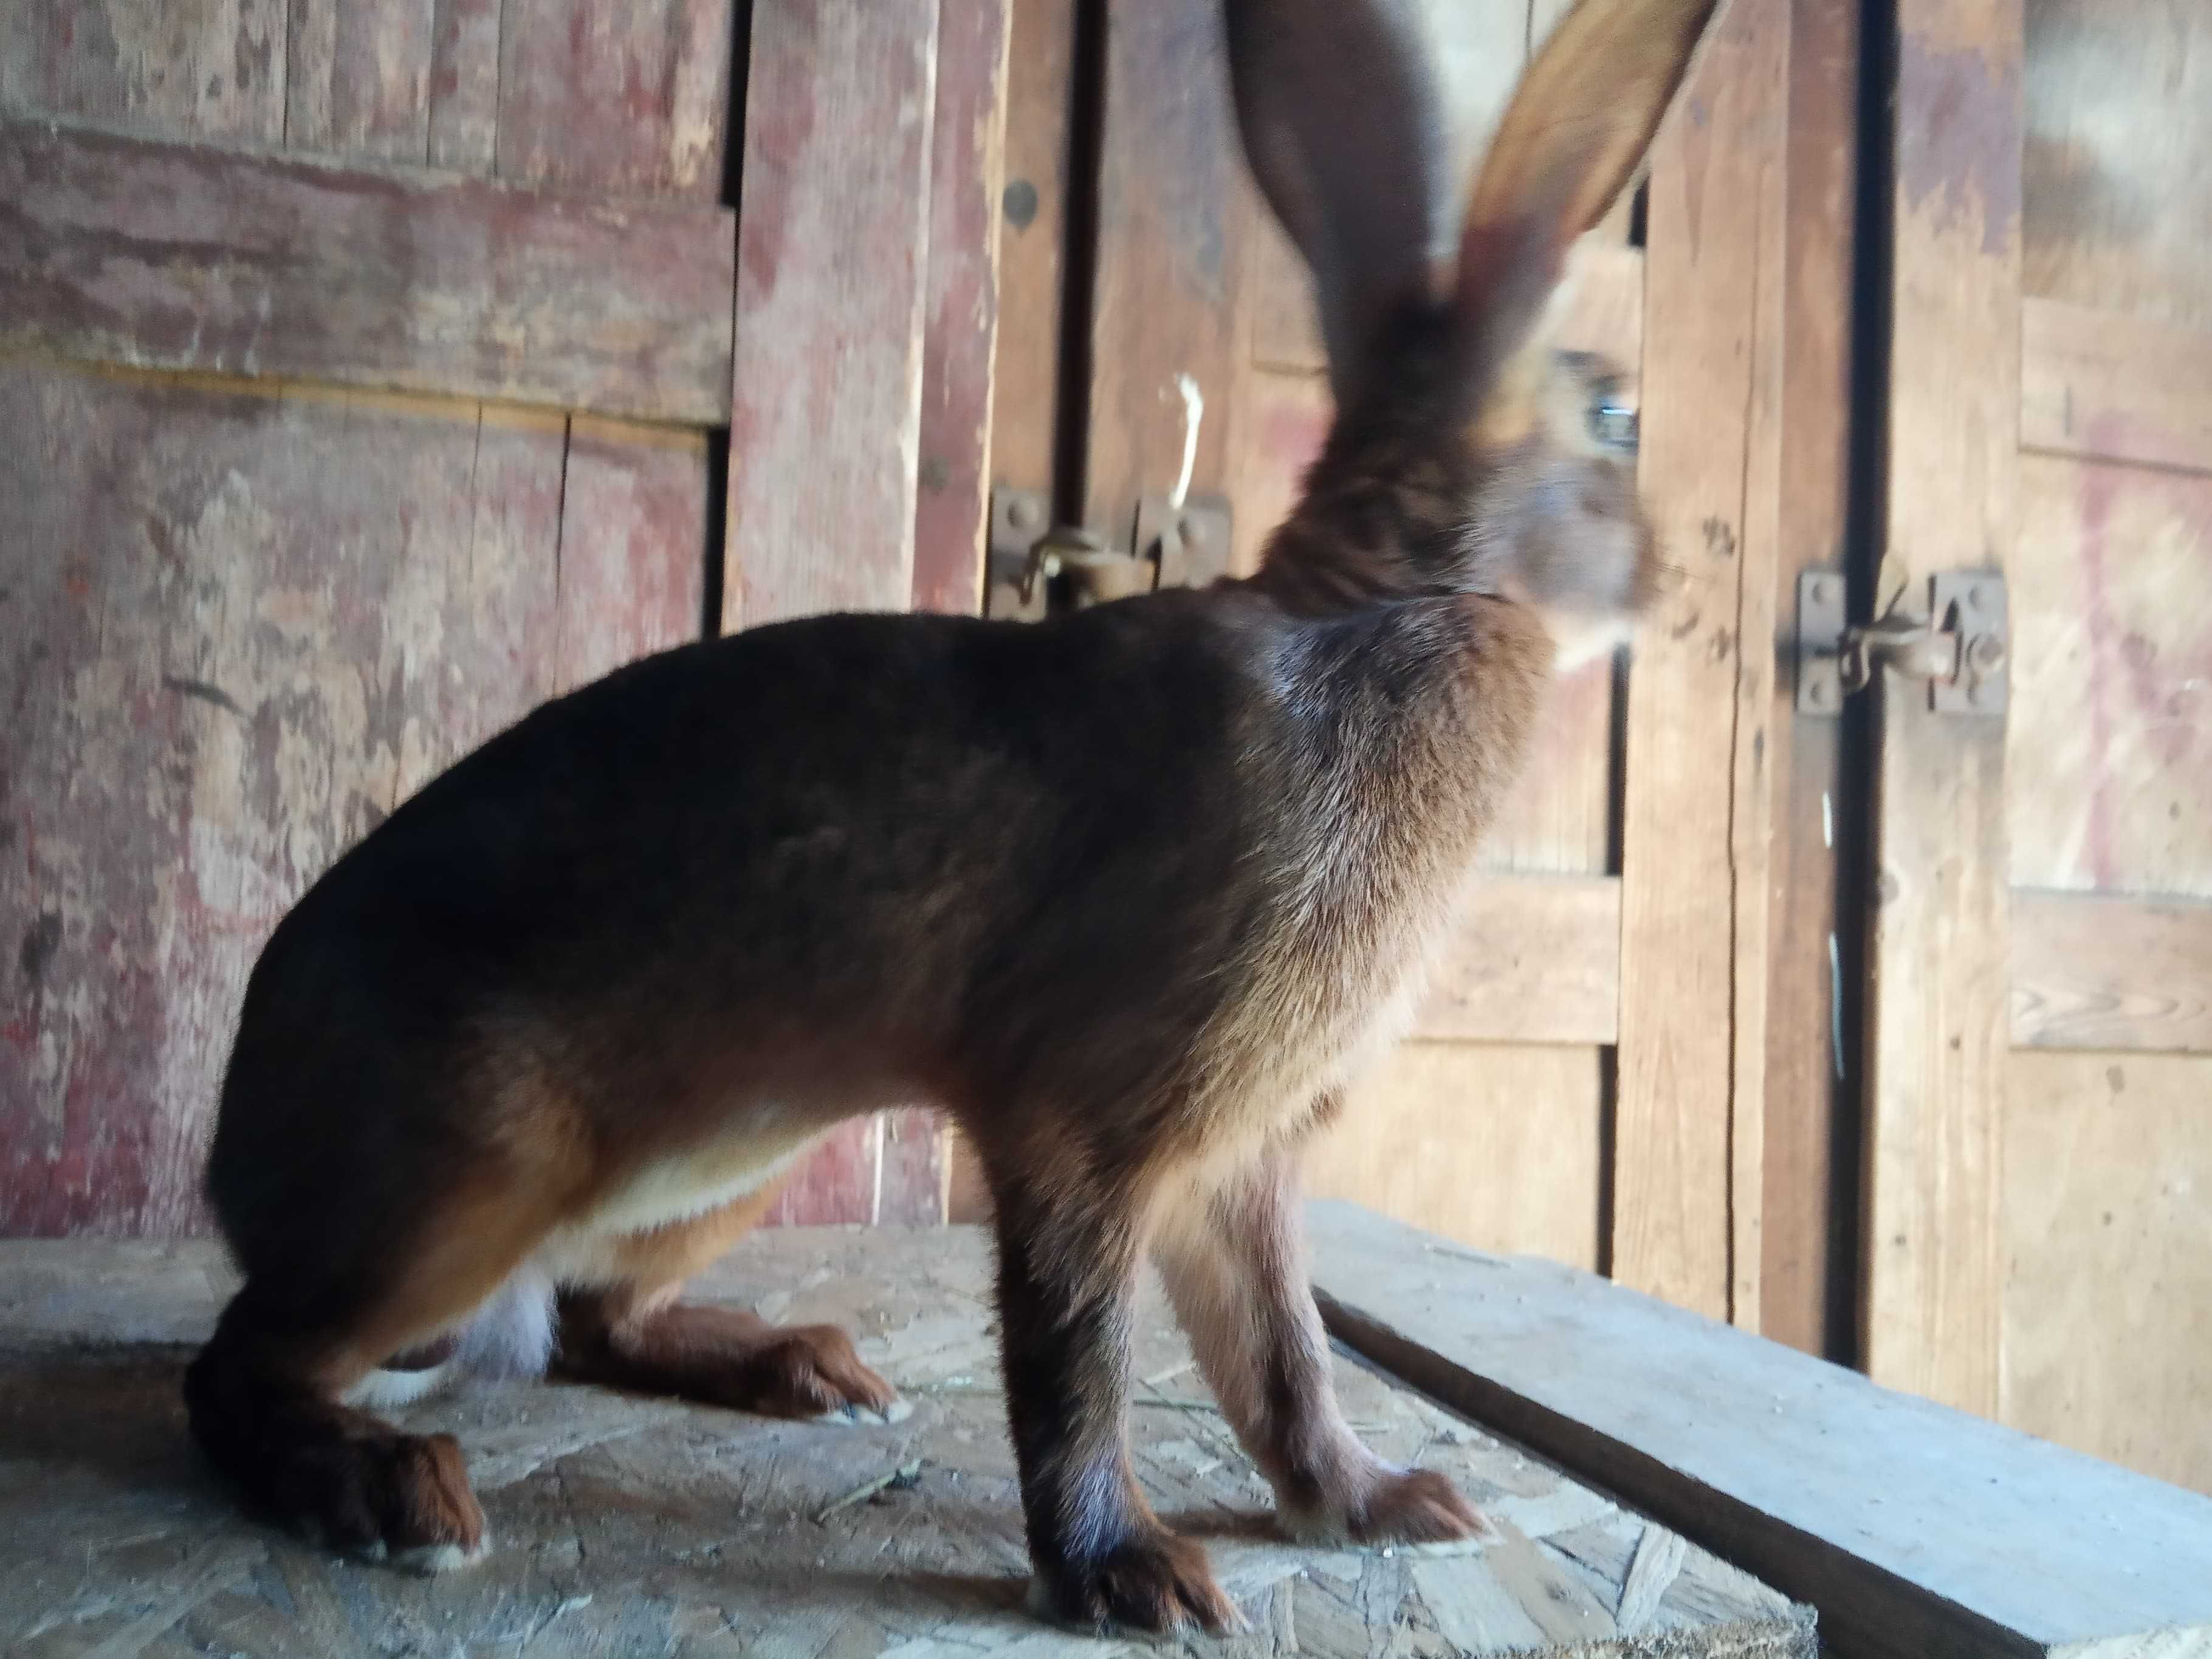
(1232, 1253)
(1067, 1274)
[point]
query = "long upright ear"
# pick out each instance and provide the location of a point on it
(1345, 129)
(1570, 140)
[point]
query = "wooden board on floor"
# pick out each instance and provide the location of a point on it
(188, 257)
(1916, 1530)
(624, 1524)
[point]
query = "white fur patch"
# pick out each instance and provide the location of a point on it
(510, 1335)
(430, 1560)
(392, 1391)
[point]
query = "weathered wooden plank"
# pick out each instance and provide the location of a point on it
(632, 546)
(464, 86)
(1499, 1146)
(1806, 1208)
(1716, 180)
(357, 80)
(952, 503)
(1917, 1531)
(2108, 1257)
(246, 627)
(623, 1524)
(1937, 952)
(2107, 776)
(832, 269)
(117, 249)
(1167, 288)
(2097, 970)
(2118, 97)
(632, 98)
(1033, 214)
(1533, 961)
(209, 70)
(2105, 385)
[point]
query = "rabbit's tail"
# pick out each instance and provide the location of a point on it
(510, 1334)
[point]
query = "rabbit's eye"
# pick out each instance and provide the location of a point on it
(1613, 422)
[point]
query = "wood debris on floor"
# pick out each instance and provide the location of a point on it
(623, 1525)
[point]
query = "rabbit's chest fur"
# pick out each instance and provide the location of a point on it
(1398, 734)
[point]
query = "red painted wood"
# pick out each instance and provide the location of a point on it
(959, 346)
(633, 544)
(190, 70)
(464, 85)
(246, 628)
(631, 98)
(357, 78)
(831, 249)
(181, 257)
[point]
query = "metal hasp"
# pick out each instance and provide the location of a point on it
(1961, 646)
(1037, 567)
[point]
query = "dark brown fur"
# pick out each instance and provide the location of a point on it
(1131, 894)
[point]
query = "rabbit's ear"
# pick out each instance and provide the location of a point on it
(1570, 140)
(1344, 128)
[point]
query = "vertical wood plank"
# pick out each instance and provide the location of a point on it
(358, 77)
(632, 98)
(1715, 180)
(1938, 953)
(1801, 1203)
(633, 533)
(1166, 296)
(825, 422)
(1759, 689)
(832, 249)
(464, 86)
(961, 326)
(210, 71)
(1032, 239)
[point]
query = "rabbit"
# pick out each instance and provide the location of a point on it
(1131, 894)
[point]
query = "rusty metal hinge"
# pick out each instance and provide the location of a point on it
(1037, 567)
(1962, 646)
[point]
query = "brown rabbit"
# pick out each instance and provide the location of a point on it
(1130, 894)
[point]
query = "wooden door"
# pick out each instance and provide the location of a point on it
(367, 374)
(1592, 1080)
(2040, 1248)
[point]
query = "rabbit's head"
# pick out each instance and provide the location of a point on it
(1468, 455)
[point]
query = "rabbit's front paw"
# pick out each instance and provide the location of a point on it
(1152, 1582)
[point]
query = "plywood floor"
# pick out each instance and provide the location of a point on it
(632, 1526)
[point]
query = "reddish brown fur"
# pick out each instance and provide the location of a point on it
(1131, 894)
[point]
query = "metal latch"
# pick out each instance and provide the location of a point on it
(1037, 567)
(1960, 647)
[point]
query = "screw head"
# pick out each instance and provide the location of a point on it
(1985, 654)
(1187, 528)
(1026, 514)
(1980, 596)
(1824, 590)
(1820, 694)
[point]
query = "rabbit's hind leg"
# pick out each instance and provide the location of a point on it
(266, 1397)
(623, 1327)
